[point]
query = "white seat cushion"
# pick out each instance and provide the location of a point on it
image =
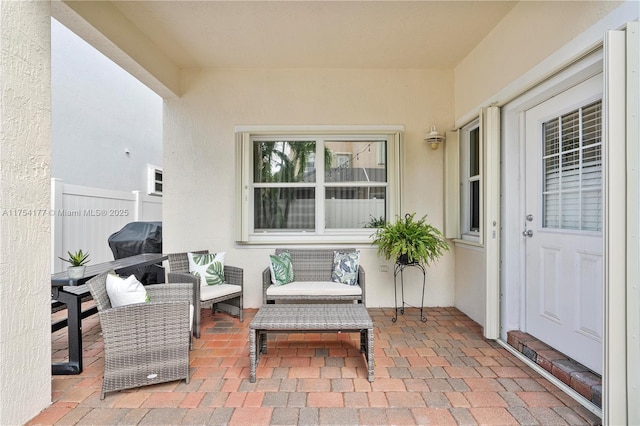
(208, 292)
(191, 310)
(314, 288)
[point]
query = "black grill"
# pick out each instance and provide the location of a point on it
(137, 238)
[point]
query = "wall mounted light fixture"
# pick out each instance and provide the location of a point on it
(434, 138)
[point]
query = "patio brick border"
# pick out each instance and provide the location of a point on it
(575, 375)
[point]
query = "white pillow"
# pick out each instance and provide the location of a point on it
(127, 291)
(209, 267)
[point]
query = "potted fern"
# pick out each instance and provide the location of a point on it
(78, 261)
(409, 241)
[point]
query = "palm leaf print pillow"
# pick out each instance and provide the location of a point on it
(281, 268)
(345, 267)
(209, 267)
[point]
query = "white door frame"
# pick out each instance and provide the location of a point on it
(621, 224)
(512, 251)
(513, 203)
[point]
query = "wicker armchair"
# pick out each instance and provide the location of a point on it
(228, 300)
(144, 343)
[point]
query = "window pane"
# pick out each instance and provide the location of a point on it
(571, 170)
(474, 152)
(570, 131)
(570, 209)
(551, 174)
(284, 209)
(592, 167)
(572, 167)
(355, 161)
(551, 210)
(284, 161)
(470, 181)
(475, 206)
(353, 207)
(592, 156)
(551, 133)
(592, 123)
(592, 210)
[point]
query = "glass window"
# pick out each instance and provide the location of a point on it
(154, 180)
(474, 152)
(353, 190)
(471, 181)
(572, 170)
(283, 161)
(290, 197)
(284, 209)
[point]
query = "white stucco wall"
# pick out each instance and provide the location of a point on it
(531, 32)
(98, 110)
(199, 163)
(25, 292)
(470, 295)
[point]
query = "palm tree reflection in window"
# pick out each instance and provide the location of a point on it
(285, 174)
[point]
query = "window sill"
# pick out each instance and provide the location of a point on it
(469, 243)
(312, 238)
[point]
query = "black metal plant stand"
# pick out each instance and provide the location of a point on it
(399, 269)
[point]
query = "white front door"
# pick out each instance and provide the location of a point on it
(563, 222)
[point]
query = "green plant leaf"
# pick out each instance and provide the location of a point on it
(420, 241)
(76, 259)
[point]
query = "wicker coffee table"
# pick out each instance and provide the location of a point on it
(288, 318)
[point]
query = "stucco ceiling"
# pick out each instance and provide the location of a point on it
(311, 34)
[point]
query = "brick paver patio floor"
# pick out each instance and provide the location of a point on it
(441, 372)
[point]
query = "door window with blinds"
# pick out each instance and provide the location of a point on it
(572, 170)
(319, 187)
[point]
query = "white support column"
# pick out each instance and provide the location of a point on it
(25, 245)
(633, 220)
(491, 223)
(615, 404)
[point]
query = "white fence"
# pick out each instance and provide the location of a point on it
(339, 213)
(84, 218)
(352, 213)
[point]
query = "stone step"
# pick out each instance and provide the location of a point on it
(584, 381)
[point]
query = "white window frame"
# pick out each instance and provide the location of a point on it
(467, 234)
(244, 179)
(152, 181)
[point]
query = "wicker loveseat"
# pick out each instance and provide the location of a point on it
(312, 279)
